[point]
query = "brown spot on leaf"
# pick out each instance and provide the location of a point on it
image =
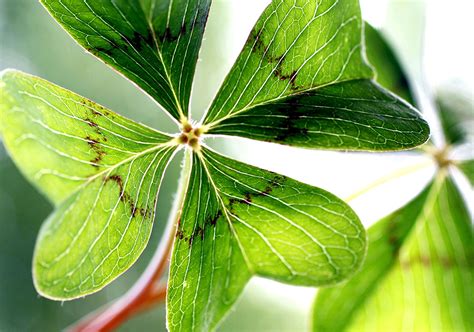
(96, 113)
(291, 78)
(96, 110)
(139, 41)
(232, 202)
(255, 38)
(96, 147)
(182, 31)
(91, 123)
(267, 190)
(200, 232)
(277, 180)
(247, 198)
(213, 220)
(92, 142)
(127, 199)
(394, 241)
(446, 262)
(105, 47)
(117, 179)
(179, 234)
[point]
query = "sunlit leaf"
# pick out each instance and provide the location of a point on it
(388, 69)
(207, 271)
(302, 80)
(102, 172)
(239, 221)
(418, 275)
(153, 43)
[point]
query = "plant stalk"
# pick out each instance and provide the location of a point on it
(387, 178)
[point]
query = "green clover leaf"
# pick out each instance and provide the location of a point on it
(418, 274)
(301, 79)
(419, 261)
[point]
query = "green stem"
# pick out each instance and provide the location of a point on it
(390, 177)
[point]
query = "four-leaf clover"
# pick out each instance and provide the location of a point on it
(301, 80)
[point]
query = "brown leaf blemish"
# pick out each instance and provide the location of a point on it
(125, 197)
(97, 149)
(213, 220)
(179, 234)
(278, 180)
(247, 198)
(291, 78)
(91, 123)
(118, 180)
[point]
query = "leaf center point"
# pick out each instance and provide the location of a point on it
(441, 156)
(191, 136)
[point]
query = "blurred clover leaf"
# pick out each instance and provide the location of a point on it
(418, 274)
(389, 71)
(301, 80)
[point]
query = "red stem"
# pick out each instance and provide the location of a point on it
(144, 293)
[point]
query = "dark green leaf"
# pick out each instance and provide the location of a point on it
(102, 172)
(153, 43)
(335, 117)
(239, 221)
(456, 112)
(418, 274)
(389, 71)
(467, 167)
(302, 71)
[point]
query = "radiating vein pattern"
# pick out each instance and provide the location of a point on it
(238, 221)
(99, 232)
(287, 230)
(153, 43)
(301, 80)
(418, 275)
(61, 140)
(295, 46)
(101, 170)
(355, 115)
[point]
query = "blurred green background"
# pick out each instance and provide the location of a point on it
(31, 41)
